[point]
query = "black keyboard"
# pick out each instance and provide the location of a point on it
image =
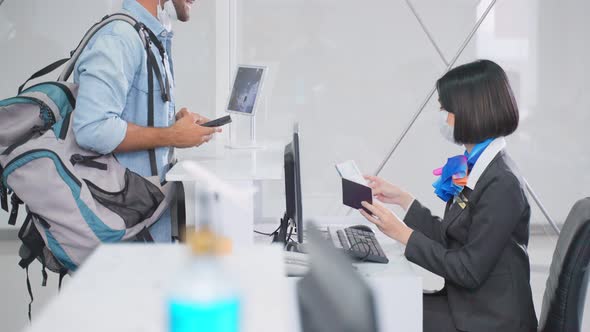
(362, 245)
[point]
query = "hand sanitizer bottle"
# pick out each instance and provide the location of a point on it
(204, 298)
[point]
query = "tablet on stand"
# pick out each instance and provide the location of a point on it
(243, 101)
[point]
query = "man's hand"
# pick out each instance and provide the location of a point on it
(188, 132)
(200, 119)
(184, 111)
(185, 133)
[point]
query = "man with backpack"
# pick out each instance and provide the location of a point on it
(112, 104)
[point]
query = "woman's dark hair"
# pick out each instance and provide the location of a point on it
(480, 97)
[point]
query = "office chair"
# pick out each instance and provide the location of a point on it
(565, 293)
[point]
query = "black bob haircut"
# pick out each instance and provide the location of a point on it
(480, 97)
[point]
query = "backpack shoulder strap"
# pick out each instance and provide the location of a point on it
(145, 35)
(43, 72)
(75, 54)
(148, 38)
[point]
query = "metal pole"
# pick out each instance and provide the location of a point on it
(431, 93)
(438, 50)
(540, 205)
(423, 105)
(253, 130)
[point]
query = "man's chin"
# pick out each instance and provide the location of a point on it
(184, 18)
(184, 13)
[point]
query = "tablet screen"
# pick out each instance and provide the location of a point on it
(245, 90)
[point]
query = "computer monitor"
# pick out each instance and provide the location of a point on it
(333, 297)
(246, 88)
(293, 217)
(298, 212)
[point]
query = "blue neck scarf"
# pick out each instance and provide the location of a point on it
(457, 167)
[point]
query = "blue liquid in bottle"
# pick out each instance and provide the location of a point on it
(204, 297)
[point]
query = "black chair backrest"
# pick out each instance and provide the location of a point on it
(565, 293)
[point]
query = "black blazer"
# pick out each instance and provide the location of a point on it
(481, 252)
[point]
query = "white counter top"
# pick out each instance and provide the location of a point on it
(231, 164)
(124, 287)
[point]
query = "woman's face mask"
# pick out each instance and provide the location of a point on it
(446, 130)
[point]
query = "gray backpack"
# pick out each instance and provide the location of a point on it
(75, 199)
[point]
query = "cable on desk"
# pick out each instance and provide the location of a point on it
(267, 234)
(368, 251)
(289, 240)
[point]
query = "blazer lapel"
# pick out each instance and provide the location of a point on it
(455, 209)
(453, 212)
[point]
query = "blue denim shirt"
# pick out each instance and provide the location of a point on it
(113, 91)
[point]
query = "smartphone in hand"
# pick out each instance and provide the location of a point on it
(218, 122)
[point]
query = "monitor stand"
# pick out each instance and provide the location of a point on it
(248, 145)
(297, 247)
(281, 234)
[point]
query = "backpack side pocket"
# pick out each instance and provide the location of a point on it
(137, 201)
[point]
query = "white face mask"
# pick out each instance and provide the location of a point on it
(167, 15)
(446, 130)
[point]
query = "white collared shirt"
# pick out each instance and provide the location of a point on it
(484, 161)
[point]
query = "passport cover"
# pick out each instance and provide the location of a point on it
(353, 194)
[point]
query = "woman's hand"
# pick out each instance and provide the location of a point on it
(389, 193)
(387, 222)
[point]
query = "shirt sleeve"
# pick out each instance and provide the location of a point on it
(106, 71)
(495, 217)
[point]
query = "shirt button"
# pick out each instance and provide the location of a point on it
(164, 34)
